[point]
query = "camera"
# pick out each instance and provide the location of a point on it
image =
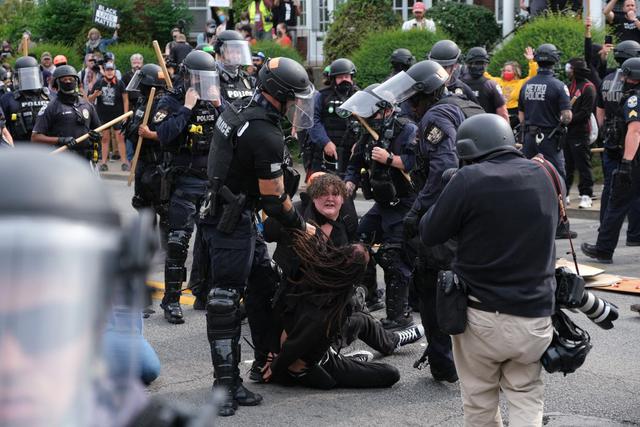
(569, 346)
(571, 293)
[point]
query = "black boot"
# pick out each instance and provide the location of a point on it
(171, 304)
(397, 315)
(370, 282)
(225, 374)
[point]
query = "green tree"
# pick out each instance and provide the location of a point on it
(468, 25)
(61, 20)
(15, 17)
(159, 16)
(353, 22)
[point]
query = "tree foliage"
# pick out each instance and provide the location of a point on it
(353, 22)
(272, 49)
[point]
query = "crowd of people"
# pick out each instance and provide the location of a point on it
(445, 151)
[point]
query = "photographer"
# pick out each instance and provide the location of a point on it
(509, 276)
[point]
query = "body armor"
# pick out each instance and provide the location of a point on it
(20, 123)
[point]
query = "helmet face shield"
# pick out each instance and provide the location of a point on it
(236, 53)
(617, 84)
(29, 78)
(56, 273)
(134, 84)
(206, 83)
(397, 89)
(300, 109)
(362, 104)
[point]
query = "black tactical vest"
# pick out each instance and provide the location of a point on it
(20, 123)
(483, 93)
(234, 88)
(335, 126)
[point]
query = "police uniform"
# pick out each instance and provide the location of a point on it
(487, 92)
(623, 196)
(21, 109)
(234, 87)
(383, 223)
(184, 136)
(148, 175)
(542, 98)
(609, 99)
(328, 126)
(460, 88)
(437, 153)
(64, 119)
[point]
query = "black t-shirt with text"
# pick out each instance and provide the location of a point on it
(625, 29)
(110, 103)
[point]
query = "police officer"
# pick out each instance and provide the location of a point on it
(511, 302)
(401, 59)
(21, 107)
(184, 124)
(610, 120)
(438, 121)
(332, 136)
(232, 53)
(625, 185)
(68, 116)
(487, 91)
(544, 111)
(379, 167)
(244, 179)
(148, 174)
(448, 54)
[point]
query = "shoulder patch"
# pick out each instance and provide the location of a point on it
(85, 113)
(159, 116)
(458, 91)
(41, 112)
(632, 101)
(434, 135)
(242, 129)
(566, 89)
(633, 113)
(498, 89)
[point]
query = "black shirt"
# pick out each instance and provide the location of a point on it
(504, 213)
(542, 98)
(178, 52)
(109, 104)
(460, 88)
(285, 12)
(488, 93)
(584, 93)
(625, 29)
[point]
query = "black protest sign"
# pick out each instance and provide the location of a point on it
(105, 16)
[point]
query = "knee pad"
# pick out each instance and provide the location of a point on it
(223, 313)
(391, 260)
(178, 245)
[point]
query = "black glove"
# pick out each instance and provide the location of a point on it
(621, 184)
(410, 223)
(69, 141)
(95, 137)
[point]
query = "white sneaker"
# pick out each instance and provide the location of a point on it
(360, 355)
(567, 201)
(585, 202)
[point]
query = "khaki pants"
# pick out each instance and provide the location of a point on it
(501, 352)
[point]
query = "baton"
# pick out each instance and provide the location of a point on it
(98, 129)
(162, 64)
(145, 119)
(25, 46)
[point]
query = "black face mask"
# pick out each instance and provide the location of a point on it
(344, 88)
(68, 88)
(476, 70)
(145, 91)
(627, 86)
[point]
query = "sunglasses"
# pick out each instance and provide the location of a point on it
(22, 326)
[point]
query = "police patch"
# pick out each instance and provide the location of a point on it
(566, 90)
(41, 112)
(632, 101)
(458, 91)
(633, 113)
(85, 114)
(434, 135)
(159, 116)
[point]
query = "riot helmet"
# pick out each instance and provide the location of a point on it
(67, 262)
(445, 53)
(625, 50)
(66, 88)
(27, 74)
(477, 59)
(401, 59)
(198, 71)
(288, 82)
(232, 49)
(631, 69)
(484, 134)
(150, 75)
(364, 103)
(342, 66)
(547, 55)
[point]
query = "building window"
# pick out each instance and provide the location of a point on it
(196, 3)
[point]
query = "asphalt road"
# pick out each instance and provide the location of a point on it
(604, 392)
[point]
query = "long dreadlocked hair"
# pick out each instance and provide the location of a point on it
(329, 271)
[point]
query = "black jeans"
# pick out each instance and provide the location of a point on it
(364, 327)
(577, 155)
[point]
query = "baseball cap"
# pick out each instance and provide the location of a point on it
(419, 7)
(45, 55)
(60, 60)
(109, 66)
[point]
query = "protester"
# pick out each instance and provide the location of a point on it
(111, 101)
(625, 22)
(95, 42)
(26, 38)
(180, 49)
(59, 60)
(174, 33)
(282, 35)
(287, 12)
(6, 51)
(247, 33)
(510, 304)
(89, 74)
(46, 63)
(261, 18)
(207, 36)
(419, 22)
(511, 82)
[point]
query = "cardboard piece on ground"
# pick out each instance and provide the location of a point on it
(602, 280)
(626, 285)
(586, 271)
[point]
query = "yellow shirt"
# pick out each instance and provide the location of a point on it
(511, 88)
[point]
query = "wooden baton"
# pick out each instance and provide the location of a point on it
(163, 65)
(98, 129)
(145, 120)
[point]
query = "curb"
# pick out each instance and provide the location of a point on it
(112, 176)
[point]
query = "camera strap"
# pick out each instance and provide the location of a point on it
(552, 173)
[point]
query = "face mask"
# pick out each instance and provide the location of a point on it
(67, 87)
(222, 18)
(476, 70)
(627, 86)
(508, 75)
(344, 87)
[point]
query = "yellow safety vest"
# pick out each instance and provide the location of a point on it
(264, 14)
